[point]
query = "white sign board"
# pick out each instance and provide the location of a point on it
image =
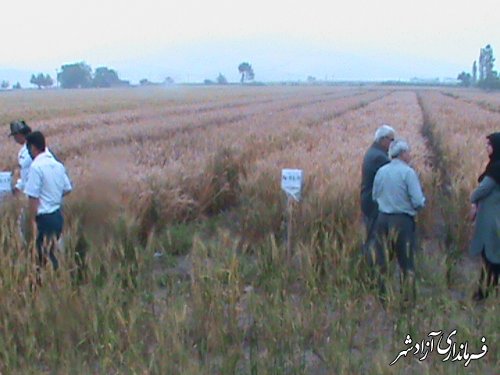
(5, 183)
(291, 182)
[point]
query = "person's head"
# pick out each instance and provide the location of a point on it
(384, 136)
(35, 142)
(19, 130)
(400, 149)
(493, 146)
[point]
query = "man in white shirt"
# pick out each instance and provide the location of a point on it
(20, 130)
(46, 185)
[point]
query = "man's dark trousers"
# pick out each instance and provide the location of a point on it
(394, 233)
(49, 228)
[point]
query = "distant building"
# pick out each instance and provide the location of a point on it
(425, 81)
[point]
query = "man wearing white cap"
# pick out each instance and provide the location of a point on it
(19, 130)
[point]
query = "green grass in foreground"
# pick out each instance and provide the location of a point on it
(223, 310)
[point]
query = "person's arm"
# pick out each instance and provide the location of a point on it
(33, 209)
(32, 190)
(415, 190)
(378, 162)
(377, 185)
(483, 190)
(17, 186)
(24, 160)
(473, 212)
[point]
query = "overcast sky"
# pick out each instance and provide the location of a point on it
(192, 40)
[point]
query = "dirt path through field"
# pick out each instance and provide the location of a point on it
(439, 245)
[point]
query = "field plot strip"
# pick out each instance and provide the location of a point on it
(461, 128)
(186, 147)
(148, 112)
(457, 130)
(264, 133)
(489, 101)
(65, 104)
(103, 126)
(165, 128)
(357, 124)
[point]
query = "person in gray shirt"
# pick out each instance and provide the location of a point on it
(486, 214)
(398, 193)
(375, 157)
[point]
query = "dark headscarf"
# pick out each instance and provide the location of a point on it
(493, 168)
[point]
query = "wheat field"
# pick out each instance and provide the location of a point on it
(175, 258)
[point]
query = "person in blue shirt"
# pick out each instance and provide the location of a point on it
(399, 196)
(46, 185)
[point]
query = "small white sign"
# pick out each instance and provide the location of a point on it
(5, 182)
(291, 182)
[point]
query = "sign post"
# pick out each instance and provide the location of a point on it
(291, 183)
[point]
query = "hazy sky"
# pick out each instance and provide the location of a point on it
(192, 40)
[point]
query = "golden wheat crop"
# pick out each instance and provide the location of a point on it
(193, 174)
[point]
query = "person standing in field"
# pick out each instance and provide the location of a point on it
(486, 214)
(46, 185)
(20, 130)
(375, 157)
(398, 193)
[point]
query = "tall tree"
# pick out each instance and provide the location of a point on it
(75, 75)
(488, 78)
(488, 61)
(41, 80)
(481, 65)
(4, 85)
(221, 80)
(246, 71)
(465, 79)
(474, 73)
(104, 77)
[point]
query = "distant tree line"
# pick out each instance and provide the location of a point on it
(80, 75)
(484, 75)
(166, 82)
(41, 80)
(219, 80)
(245, 69)
(4, 85)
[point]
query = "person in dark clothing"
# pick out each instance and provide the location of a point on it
(485, 211)
(375, 157)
